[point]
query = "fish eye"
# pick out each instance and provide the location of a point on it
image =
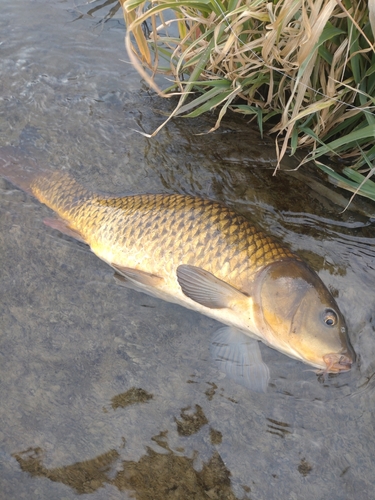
(330, 317)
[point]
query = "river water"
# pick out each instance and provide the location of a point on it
(107, 393)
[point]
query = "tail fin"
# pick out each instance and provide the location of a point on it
(18, 168)
(55, 189)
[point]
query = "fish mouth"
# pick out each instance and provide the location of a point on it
(337, 362)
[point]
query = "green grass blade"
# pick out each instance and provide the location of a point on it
(212, 103)
(367, 189)
(203, 100)
(346, 141)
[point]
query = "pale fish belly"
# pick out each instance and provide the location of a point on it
(169, 289)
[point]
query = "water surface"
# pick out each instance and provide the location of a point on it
(111, 394)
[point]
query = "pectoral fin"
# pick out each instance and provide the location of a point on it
(137, 276)
(204, 288)
(239, 357)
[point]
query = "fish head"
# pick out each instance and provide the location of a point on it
(299, 317)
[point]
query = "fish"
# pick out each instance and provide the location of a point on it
(205, 256)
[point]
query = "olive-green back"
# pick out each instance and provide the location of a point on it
(172, 229)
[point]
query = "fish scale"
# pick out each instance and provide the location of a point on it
(204, 256)
(195, 230)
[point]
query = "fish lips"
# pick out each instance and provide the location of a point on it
(338, 362)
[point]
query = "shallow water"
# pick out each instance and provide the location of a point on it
(111, 394)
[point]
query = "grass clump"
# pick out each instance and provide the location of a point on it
(307, 67)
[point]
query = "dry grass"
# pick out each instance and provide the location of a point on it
(306, 66)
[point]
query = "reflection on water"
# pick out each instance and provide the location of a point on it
(90, 369)
(108, 13)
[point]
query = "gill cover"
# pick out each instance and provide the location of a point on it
(299, 316)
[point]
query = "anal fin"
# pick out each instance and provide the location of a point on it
(137, 276)
(64, 228)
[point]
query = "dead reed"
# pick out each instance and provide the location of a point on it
(307, 67)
